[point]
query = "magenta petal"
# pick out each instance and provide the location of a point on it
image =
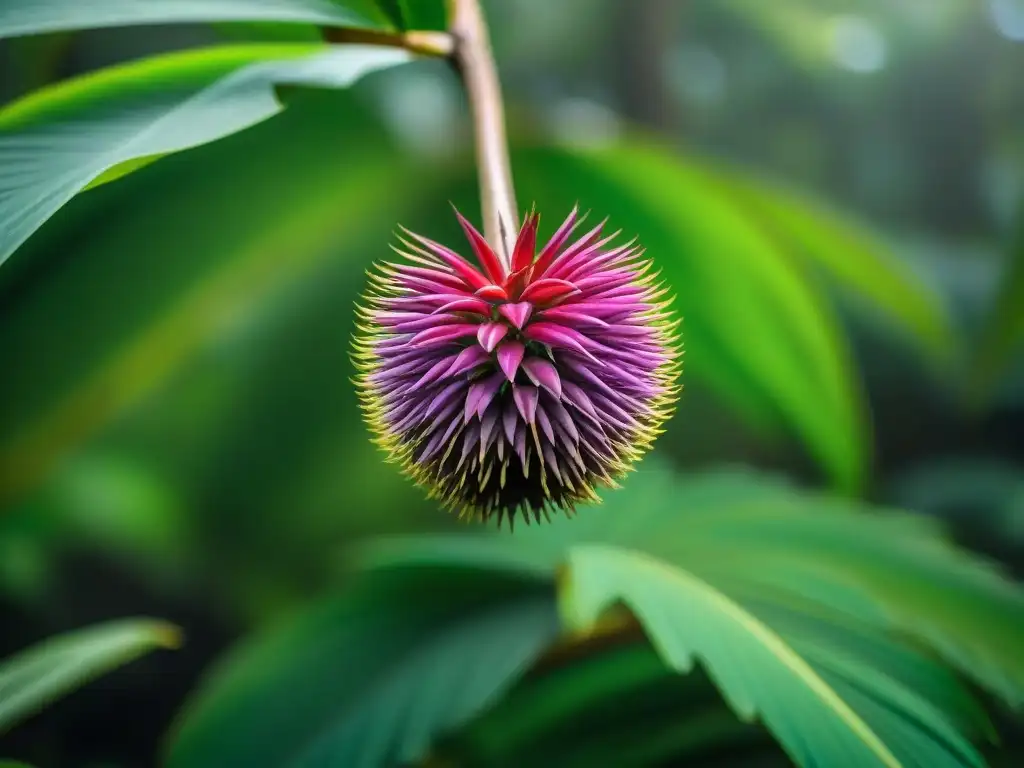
(427, 321)
(444, 397)
(461, 267)
(545, 424)
(559, 336)
(517, 314)
(544, 374)
(526, 244)
(492, 293)
(584, 242)
(488, 259)
(547, 290)
(481, 393)
(564, 420)
(510, 355)
(526, 398)
(438, 441)
(490, 334)
(520, 444)
(488, 421)
(437, 370)
(432, 275)
(554, 245)
(575, 395)
(468, 359)
(565, 315)
(509, 420)
(442, 334)
(479, 306)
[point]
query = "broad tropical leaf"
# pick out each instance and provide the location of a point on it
(372, 676)
(57, 141)
(832, 711)
(35, 677)
(793, 604)
(633, 708)
(1002, 338)
(856, 259)
(764, 334)
(196, 240)
(269, 32)
(756, 538)
(21, 18)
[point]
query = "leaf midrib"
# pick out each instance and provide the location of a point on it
(764, 635)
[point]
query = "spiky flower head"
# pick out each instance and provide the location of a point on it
(516, 387)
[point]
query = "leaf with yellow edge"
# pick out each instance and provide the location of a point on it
(58, 141)
(34, 677)
(827, 712)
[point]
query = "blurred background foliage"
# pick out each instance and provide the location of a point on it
(834, 190)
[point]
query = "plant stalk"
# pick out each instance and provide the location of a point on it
(423, 42)
(475, 63)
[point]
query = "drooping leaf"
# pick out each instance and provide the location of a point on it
(18, 18)
(755, 538)
(817, 715)
(633, 708)
(269, 32)
(805, 31)
(773, 590)
(222, 232)
(982, 499)
(59, 140)
(1002, 338)
(764, 334)
(855, 258)
(35, 677)
(960, 605)
(371, 677)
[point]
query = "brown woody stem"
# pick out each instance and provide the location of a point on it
(424, 42)
(475, 62)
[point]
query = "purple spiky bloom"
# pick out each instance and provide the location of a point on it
(517, 389)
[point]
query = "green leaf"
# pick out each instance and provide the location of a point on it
(960, 605)
(1002, 338)
(754, 325)
(423, 14)
(818, 717)
(393, 10)
(634, 709)
(371, 676)
(59, 140)
(855, 258)
(759, 539)
(815, 615)
(194, 243)
(756, 533)
(33, 678)
(269, 32)
(18, 18)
